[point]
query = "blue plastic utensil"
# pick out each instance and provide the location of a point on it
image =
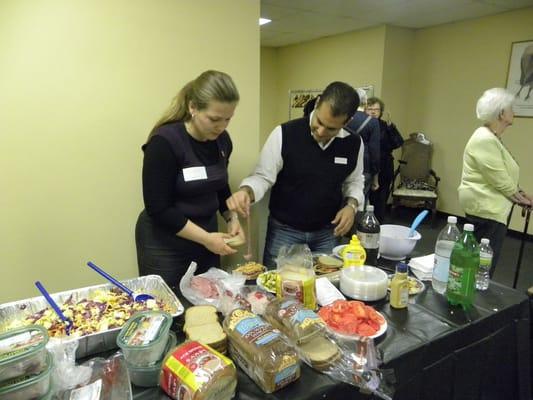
(137, 297)
(56, 308)
(419, 218)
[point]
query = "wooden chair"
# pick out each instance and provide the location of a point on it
(418, 183)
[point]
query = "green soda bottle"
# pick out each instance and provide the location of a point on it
(464, 262)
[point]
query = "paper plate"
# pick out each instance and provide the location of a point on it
(337, 250)
(382, 329)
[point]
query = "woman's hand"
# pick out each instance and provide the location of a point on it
(235, 228)
(215, 243)
(522, 198)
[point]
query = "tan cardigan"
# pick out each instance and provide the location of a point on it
(489, 178)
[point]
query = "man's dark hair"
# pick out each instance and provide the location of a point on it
(342, 98)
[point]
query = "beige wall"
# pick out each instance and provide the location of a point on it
(453, 64)
(430, 80)
(81, 84)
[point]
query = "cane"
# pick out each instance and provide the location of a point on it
(525, 212)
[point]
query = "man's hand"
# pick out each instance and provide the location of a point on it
(344, 220)
(240, 201)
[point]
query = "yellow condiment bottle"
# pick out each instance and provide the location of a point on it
(399, 287)
(354, 254)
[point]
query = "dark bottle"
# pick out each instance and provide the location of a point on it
(368, 234)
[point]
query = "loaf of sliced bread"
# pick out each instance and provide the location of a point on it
(201, 325)
(200, 315)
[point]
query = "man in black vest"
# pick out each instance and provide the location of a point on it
(315, 170)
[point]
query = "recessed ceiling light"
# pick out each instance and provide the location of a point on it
(263, 21)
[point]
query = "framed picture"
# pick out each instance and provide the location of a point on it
(298, 98)
(520, 77)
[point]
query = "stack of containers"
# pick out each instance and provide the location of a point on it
(25, 364)
(145, 340)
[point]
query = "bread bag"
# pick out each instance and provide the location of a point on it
(261, 351)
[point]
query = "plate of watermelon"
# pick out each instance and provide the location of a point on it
(351, 319)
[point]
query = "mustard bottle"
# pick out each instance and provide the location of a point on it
(353, 254)
(399, 287)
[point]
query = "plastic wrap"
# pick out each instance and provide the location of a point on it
(296, 275)
(352, 360)
(252, 298)
(261, 351)
(202, 289)
(109, 380)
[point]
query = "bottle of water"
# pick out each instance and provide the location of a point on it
(368, 233)
(443, 249)
(464, 263)
(485, 262)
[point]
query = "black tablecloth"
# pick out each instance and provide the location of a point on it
(436, 351)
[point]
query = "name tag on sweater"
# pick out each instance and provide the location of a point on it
(341, 160)
(194, 174)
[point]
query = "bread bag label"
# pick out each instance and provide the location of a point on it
(252, 328)
(189, 367)
(298, 315)
(302, 290)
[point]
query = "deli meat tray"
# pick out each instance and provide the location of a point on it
(103, 340)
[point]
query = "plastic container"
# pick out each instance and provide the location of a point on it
(399, 287)
(368, 234)
(464, 263)
(149, 376)
(364, 283)
(23, 352)
(353, 254)
(297, 282)
(28, 386)
(144, 337)
(485, 262)
(443, 250)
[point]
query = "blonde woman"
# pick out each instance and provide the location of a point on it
(489, 182)
(185, 181)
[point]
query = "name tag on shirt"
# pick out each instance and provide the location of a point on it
(194, 174)
(341, 160)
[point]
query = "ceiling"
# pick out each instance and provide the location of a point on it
(296, 21)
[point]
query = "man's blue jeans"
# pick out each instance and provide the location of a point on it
(278, 235)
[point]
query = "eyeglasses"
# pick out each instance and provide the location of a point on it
(373, 109)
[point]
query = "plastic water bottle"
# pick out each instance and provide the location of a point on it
(443, 250)
(485, 262)
(368, 233)
(464, 263)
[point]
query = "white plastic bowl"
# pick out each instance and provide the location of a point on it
(364, 283)
(394, 243)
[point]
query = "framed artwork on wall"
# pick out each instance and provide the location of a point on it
(298, 98)
(520, 77)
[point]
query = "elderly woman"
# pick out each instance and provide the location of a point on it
(489, 182)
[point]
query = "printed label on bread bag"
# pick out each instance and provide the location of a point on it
(189, 367)
(252, 328)
(298, 315)
(288, 373)
(20, 343)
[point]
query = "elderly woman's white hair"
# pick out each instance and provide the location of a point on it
(492, 103)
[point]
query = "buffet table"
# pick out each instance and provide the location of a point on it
(436, 352)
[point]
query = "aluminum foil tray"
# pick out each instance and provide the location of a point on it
(96, 342)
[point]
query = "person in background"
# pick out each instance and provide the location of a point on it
(489, 181)
(368, 129)
(185, 181)
(314, 167)
(389, 140)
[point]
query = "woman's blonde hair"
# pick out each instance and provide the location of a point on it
(210, 85)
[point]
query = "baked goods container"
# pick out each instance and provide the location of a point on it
(144, 337)
(149, 376)
(28, 386)
(22, 352)
(104, 340)
(364, 283)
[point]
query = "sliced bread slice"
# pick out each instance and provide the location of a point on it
(200, 315)
(208, 334)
